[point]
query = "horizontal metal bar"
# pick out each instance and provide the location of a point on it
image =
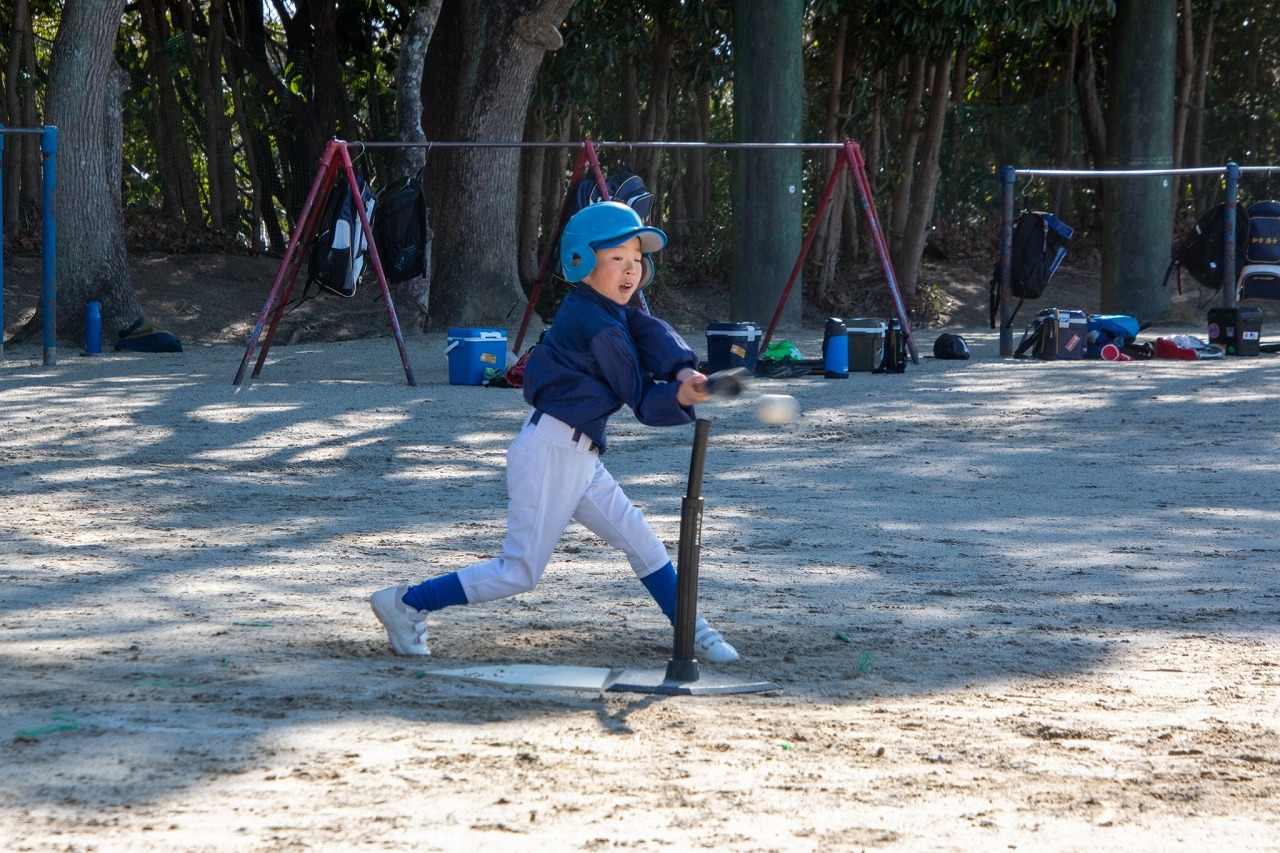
(1134, 173)
(15, 131)
(706, 146)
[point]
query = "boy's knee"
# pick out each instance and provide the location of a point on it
(513, 577)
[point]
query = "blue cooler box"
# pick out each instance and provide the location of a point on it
(733, 345)
(471, 351)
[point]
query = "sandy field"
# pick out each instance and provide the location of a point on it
(1008, 606)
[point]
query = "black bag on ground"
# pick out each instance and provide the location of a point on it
(1201, 252)
(337, 248)
(1039, 242)
(950, 346)
(1056, 333)
(894, 359)
(400, 230)
(1041, 337)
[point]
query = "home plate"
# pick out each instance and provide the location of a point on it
(593, 678)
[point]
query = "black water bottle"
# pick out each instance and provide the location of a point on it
(895, 349)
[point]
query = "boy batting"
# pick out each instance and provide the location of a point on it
(599, 354)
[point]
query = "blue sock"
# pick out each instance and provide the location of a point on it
(662, 586)
(437, 593)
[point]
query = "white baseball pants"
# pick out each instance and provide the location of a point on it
(553, 478)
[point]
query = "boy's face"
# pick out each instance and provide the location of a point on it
(617, 272)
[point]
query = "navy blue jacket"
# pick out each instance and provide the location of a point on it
(599, 355)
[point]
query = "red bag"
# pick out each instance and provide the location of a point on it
(514, 375)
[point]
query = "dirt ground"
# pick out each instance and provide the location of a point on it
(1007, 605)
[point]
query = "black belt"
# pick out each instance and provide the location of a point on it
(577, 433)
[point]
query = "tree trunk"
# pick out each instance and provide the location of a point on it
(1062, 145)
(766, 196)
(906, 261)
(409, 75)
(488, 58)
(206, 67)
(874, 156)
(251, 162)
(1136, 212)
(293, 145)
(908, 139)
(555, 175)
(657, 107)
(413, 297)
(22, 182)
(1253, 76)
(699, 174)
(1198, 99)
(630, 100)
(828, 238)
(328, 91)
(173, 155)
(532, 167)
(85, 86)
(1092, 121)
(1186, 66)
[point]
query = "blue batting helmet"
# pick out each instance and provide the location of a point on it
(604, 225)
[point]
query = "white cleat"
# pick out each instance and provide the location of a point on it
(709, 646)
(406, 627)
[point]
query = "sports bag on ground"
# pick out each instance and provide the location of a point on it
(950, 346)
(337, 249)
(1055, 333)
(1120, 330)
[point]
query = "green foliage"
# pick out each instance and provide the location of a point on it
(1010, 105)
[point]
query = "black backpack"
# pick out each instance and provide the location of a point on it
(894, 359)
(1263, 225)
(1201, 252)
(400, 230)
(1041, 337)
(1039, 241)
(337, 249)
(624, 186)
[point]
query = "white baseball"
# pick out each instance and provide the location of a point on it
(777, 408)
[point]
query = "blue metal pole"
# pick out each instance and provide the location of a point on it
(49, 292)
(1229, 237)
(1008, 175)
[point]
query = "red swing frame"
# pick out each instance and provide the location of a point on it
(587, 159)
(850, 158)
(336, 158)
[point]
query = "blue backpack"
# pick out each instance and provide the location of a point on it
(1119, 329)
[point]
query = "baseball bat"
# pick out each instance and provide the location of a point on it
(727, 383)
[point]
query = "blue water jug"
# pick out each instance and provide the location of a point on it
(835, 349)
(92, 328)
